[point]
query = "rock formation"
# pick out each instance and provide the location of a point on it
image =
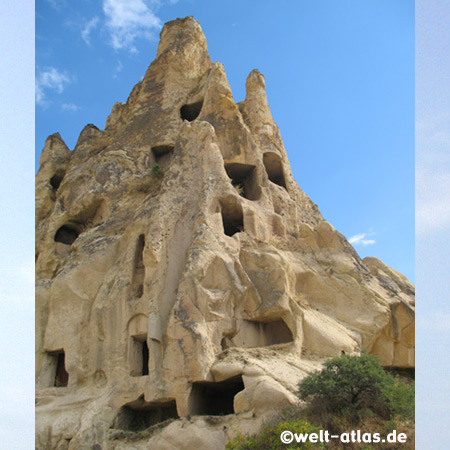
(185, 283)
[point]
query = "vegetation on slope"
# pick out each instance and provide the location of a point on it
(349, 393)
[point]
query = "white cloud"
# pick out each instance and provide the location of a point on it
(50, 79)
(360, 239)
(86, 31)
(127, 20)
(69, 107)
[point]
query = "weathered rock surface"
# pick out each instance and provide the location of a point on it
(205, 290)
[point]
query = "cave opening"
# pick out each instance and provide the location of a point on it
(190, 112)
(60, 376)
(254, 334)
(274, 168)
(214, 398)
(163, 154)
(139, 414)
(243, 178)
(56, 179)
(139, 356)
(92, 216)
(232, 217)
(67, 234)
(145, 355)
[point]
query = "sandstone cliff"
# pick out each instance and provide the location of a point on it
(185, 283)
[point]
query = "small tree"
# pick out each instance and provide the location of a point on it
(351, 385)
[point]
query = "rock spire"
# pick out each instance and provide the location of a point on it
(183, 274)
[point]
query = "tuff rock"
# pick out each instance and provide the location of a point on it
(185, 283)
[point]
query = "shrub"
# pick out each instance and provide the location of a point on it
(400, 398)
(355, 387)
(157, 170)
(269, 437)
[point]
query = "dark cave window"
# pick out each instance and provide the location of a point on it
(56, 179)
(139, 415)
(274, 168)
(214, 399)
(139, 356)
(232, 217)
(243, 178)
(191, 112)
(67, 234)
(163, 154)
(58, 362)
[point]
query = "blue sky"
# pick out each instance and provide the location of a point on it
(339, 80)
(340, 83)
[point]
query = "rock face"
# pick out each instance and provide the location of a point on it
(185, 283)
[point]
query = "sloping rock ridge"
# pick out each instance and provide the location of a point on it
(185, 283)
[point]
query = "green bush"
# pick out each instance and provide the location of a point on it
(349, 390)
(355, 387)
(157, 170)
(400, 398)
(269, 437)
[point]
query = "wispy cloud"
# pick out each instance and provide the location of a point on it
(86, 31)
(57, 4)
(128, 20)
(69, 107)
(50, 79)
(118, 69)
(360, 239)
